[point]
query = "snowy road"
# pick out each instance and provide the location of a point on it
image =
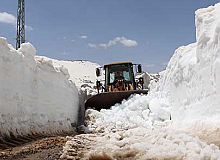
(124, 133)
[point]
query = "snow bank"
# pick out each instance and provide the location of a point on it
(35, 96)
(82, 73)
(191, 81)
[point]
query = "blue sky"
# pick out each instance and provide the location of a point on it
(101, 31)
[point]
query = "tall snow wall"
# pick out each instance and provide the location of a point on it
(82, 73)
(191, 82)
(35, 96)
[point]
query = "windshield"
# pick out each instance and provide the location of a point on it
(119, 75)
(118, 72)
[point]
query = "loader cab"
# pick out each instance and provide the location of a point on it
(119, 84)
(119, 77)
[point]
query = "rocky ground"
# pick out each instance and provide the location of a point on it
(44, 149)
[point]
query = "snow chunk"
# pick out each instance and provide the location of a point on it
(155, 107)
(27, 50)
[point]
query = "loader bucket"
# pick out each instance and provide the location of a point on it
(107, 99)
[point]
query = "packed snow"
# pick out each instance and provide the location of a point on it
(188, 93)
(36, 97)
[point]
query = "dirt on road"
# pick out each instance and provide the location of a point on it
(44, 149)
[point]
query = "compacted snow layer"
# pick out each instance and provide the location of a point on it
(188, 92)
(35, 96)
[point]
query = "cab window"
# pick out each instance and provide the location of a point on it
(112, 77)
(126, 75)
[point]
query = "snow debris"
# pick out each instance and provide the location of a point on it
(141, 143)
(137, 111)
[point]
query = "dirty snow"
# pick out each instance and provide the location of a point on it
(188, 92)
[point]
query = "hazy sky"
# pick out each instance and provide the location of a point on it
(101, 31)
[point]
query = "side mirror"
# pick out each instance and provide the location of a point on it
(98, 73)
(139, 68)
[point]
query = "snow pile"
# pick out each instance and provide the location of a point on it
(139, 129)
(82, 73)
(35, 96)
(190, 83)
(191, 80)
(138, 111)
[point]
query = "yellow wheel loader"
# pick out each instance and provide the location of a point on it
(119, 84)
